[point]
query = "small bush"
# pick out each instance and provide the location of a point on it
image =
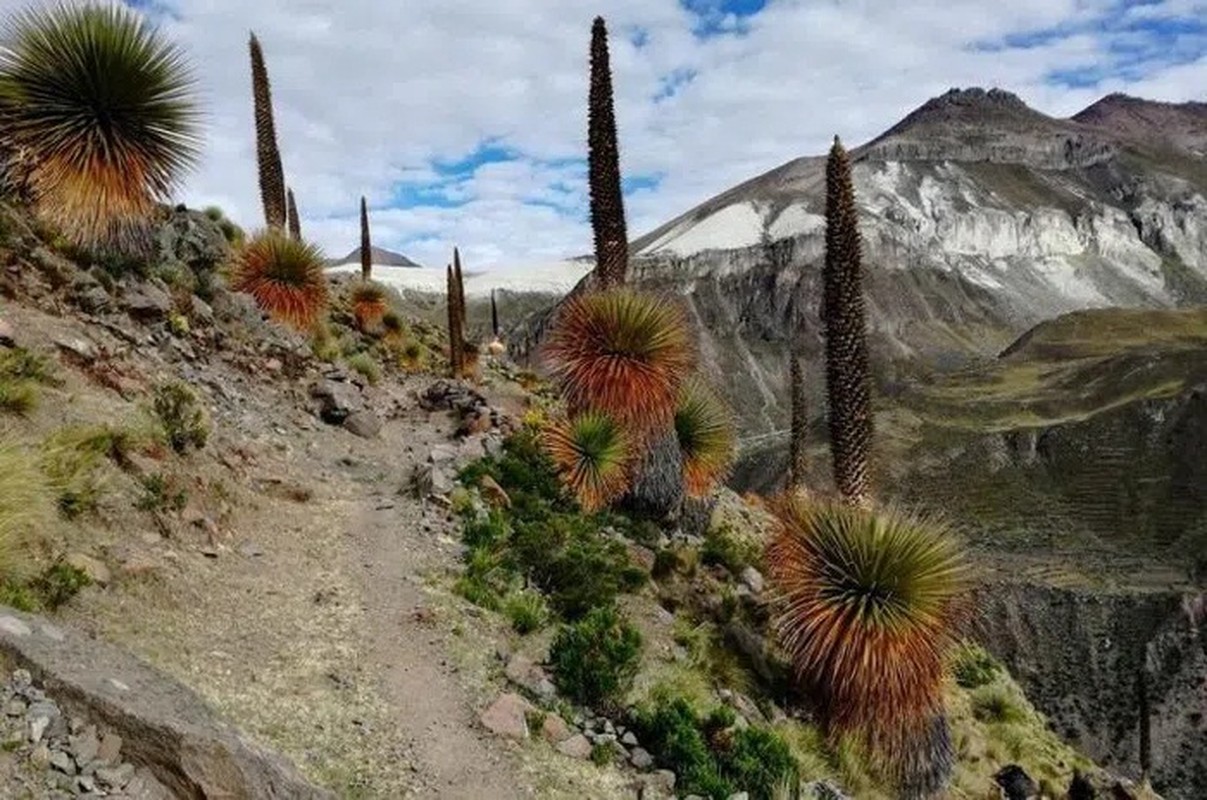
(161, 494)
(364, 364)
(17, 397)
(594, 661)
(58, 584)
(996, 704)
(710, 756)
(182, 417)
(527, 611)
(21, 364)
(973, 667)
(723, 546)
(604, 755)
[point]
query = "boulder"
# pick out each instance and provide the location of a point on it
(7, 336)
(146, 301)
(193, 240)
(1015, 782)
(577, 746)
(364, 424)
(337, 400)
(555, 730)
(507, 716)
(164, 726)
(753, 579)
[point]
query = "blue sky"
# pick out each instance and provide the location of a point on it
(464, 123)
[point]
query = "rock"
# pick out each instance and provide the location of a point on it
(81, 351)
(115, 777)
(7, 337)
(110, 749)
(15, 707)
(201, 310)
(657, 784)
(94, 568)
(174, 734)
(640, 556)
(443, 455)
(92, 298)
(430, 480)
(555, 730)
(146, 301)
(641, 759)
(507, 716)
(40, 755)
(739, 796)
(576, 746)
(753, 579)
(493, 492)
(524, 673)
(37, 727)
(1016, 784)
(191, 239)
(84, 746)
(364, 424)
(236, 307)
(337, 400)
(62, 762)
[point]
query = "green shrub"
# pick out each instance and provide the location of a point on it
(758, 761)
(543, 537)
(666, 563)
(364, 364)
(604, 755)
(17, 397)
(996, 704)
(20, 364)
(724, 547)
(527, 611)
(59, 584)
(711, 757)
(595, 660)
(673, 732)
(973, 667)
(161, 494)
(182, 417)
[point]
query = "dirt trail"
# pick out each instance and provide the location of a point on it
(418, 680)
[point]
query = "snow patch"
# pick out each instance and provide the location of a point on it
(796, 220)
(557, 277)
(732, 228)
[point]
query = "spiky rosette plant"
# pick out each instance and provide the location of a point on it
(369, 305)
(870, 604)
(704, 427)
(622, 352)
(103, 109)
(591, 452)
(284, 275)
(393, 329)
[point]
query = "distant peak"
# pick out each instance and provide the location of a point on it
(975, 96)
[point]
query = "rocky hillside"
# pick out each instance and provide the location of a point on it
(981, 218)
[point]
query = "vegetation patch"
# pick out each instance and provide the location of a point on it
(181, 416)
(711, 755)
(543, 539)
(595, 660)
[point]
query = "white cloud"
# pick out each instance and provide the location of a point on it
(369, 93)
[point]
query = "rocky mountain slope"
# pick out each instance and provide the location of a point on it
(981, 218)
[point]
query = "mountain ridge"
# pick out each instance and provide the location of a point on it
(378, 255)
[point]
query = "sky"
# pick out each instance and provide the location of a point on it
(464, 121)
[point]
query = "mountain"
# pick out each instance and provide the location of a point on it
(379, 256)
(1040, 366)
(981, 217)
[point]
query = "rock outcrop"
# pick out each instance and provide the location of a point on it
(164, 726)
(1120, 674)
